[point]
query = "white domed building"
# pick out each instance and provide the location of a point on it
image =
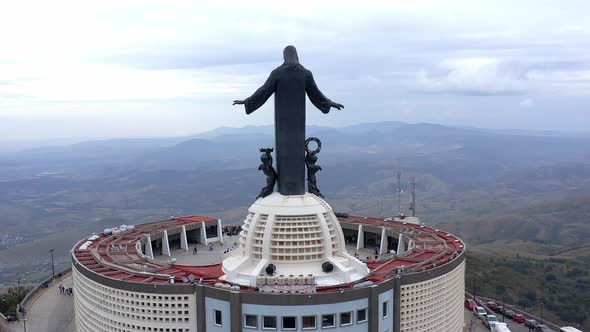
(299, 237)
(295, 266)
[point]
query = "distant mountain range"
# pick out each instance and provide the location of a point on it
(463, 174)
(505, 192)
(238, 148)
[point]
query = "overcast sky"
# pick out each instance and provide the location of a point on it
(164, 68)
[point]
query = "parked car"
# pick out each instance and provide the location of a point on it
(470, 304)
(499, 309)
(543, 328)
(500, 327)
(531, 323)
(519, 318)
(480, 312)
(491, 304)
(568, 329)
(490, 320)
(509, 313)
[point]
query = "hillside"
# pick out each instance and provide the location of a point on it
(464, 175)
(562, 284)
(563, 222)
(504, 192)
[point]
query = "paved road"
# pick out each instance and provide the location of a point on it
(50, 311)
(53, 312)
(473, 324)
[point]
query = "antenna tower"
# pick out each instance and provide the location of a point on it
(399, 193)
(413, 203)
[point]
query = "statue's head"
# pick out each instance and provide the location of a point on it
(266, 157)
(290, 56)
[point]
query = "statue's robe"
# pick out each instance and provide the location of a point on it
(289, 83)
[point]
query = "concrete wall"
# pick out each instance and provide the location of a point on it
(3, 323)
(210, 306)
(40, 287)
(309, 310)
(434, 304)
(101, 308)
(386, 319)
(443, 283)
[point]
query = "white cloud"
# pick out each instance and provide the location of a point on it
(106, 82)
(527, 103)
(84, 53)
(473, 76)
(561, 82)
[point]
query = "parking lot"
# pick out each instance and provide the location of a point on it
(473, 324)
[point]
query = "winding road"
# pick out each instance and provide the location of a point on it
(50, 311)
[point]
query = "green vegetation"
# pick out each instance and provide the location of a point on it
(521, 201)
(12, 297)
(563, 285)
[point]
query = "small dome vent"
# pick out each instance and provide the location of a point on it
(295, 235)
(270, 269)
(327, 267)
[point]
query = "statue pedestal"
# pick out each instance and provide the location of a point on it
(299, 235)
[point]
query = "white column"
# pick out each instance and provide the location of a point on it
(383, 246)
(360, 238)
(183, 239)
(251, 227)
(267, 237)
(165, 244)
(203, 234)
(149, 251)
(327, 244)
(219, 231)
(400, 245)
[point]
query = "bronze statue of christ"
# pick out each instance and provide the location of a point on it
(289, 82)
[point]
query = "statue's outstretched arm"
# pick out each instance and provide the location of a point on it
(317, 98)
(256, 100)
(337, 106)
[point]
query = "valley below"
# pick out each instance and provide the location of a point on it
(520, 200)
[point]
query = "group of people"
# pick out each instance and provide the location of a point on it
(117, 248)
(228, 250)
(210, 247)
(195, 251)
(230, 230)
(356, 255)
(66, 290)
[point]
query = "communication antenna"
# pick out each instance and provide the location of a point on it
(413, 203)
(399, 193)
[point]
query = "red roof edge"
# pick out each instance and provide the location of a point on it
(196, 218)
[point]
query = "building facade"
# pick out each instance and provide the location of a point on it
(129, 281)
